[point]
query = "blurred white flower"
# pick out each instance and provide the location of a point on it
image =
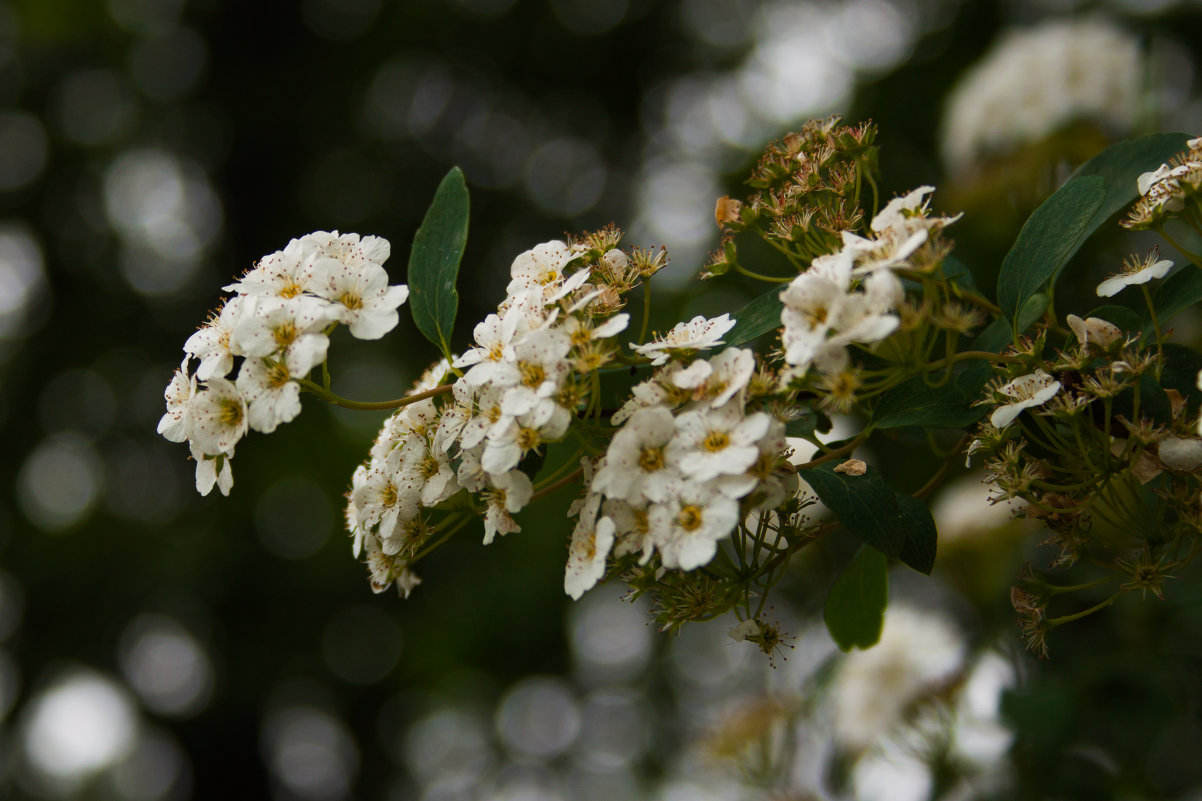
(917, 653)
(1036, 81)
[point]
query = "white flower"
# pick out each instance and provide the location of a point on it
(513, 437)
(383, 568)
(1134, 272)
(714, 442)
(1040, 79)
(1033, 389)
(534, 375)
(362, 298)
(812, 303)
(217, 417)
(730, 372)
(592, 540)
(632, 529)
(509, 494)
(406, 581)
(213, 470)
(541, 266)
(174, 424)
(686, 527)
(699, 333)
(273, 397)
(278, 275)
(745, 630)
(918, 652)
(292, 327)
(1094, 331)
(494, 337)
(212, 342)
(635, 466)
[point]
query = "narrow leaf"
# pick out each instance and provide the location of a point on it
(855, 607)
(756, 318)
(434, 261)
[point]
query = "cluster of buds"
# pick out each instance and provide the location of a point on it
(807, 192)
(1108, 460)
(276, 326)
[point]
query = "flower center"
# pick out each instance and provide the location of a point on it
(351, 300)
(290, 290)
(388, 495)
(528, 438)
(429, 467)
(532, 374)
(652, 459)
(716, 441)
(496, 352)
(231, 412)
(689, 518)
(277, 375)
(284, 334)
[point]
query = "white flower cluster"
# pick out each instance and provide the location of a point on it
(1036, 81)
(847, 297)
(520, 387)
(692, 459)
(277, 323)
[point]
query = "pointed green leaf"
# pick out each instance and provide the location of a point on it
(1047, 241)
(855, 608)
(756, 318)
(434, 261)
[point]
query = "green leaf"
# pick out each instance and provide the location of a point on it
(855, 607)
(1175, 294)
(918, 551)
(865, 505)
(874, 512)
(913, 403)
(756, 318)
(1047, 241)
(810, 421)
(1097, 191)
(993, 337)
(957, 273)
(434, 261)
(1182, 364)
(1120, 166)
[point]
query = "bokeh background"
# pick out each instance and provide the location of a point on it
(160, 646)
